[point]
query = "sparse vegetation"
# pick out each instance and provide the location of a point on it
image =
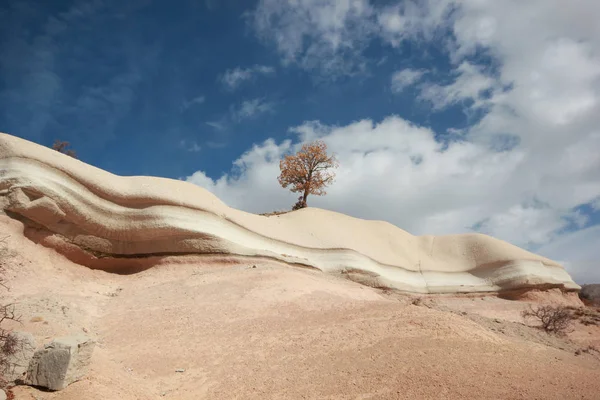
(63, 147)
(586, 315)
(9, 343)
(553, 319)
(416, 301)
(309, 171)
(591, 349)
(274, 213)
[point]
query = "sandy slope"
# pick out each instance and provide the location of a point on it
(103, 221)
(284, 333)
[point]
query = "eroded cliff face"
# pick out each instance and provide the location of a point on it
(126, 224)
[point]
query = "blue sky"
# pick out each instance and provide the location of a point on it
(137, 78)
(499, 102)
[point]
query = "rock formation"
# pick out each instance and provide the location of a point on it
(123, 224)
(60, 363)
(590, 294)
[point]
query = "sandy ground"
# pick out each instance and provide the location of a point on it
(248, 329)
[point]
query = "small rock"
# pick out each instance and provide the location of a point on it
(18, 362)
(496, 320)
(180, 370)
(63, 361)
(254, 266)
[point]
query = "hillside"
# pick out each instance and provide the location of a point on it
(123, 224)
(187, 298)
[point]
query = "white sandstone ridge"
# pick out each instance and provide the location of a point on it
(111, 222)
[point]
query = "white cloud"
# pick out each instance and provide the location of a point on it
(194, 147)
(528, 225)
(404, 78)
(218, 125)
(471, 84)
(330, 35)
(518, 173)
(233, 78)
(190, 146)
(411, 19)
(189, 103)
(393, 170)
(316, 34)
(252, 184)
(579, 252)
(398, 172)
(252, 108)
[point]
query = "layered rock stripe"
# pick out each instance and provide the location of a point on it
(106, 221)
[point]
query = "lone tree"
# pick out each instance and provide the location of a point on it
(309, 171)
(62, 147)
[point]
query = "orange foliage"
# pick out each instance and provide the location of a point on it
(61, 147)
(309, 171)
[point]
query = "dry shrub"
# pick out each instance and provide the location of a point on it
(274, 213)
(586, 315)
(63, 147)
(9, 343)
(553, 319)
(416, 301)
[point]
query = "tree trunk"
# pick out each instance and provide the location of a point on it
(307, 188)
(305, 195)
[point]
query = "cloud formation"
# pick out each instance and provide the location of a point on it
(519, 172)
(193, 102)
(233, 78)
(190, 146)
(314, 34)
(405, 78)
(251, 109)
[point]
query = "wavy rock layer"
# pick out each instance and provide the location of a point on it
(118, 223)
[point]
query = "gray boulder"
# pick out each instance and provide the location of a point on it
(60, 363)
(590, 293)
(17, 363)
